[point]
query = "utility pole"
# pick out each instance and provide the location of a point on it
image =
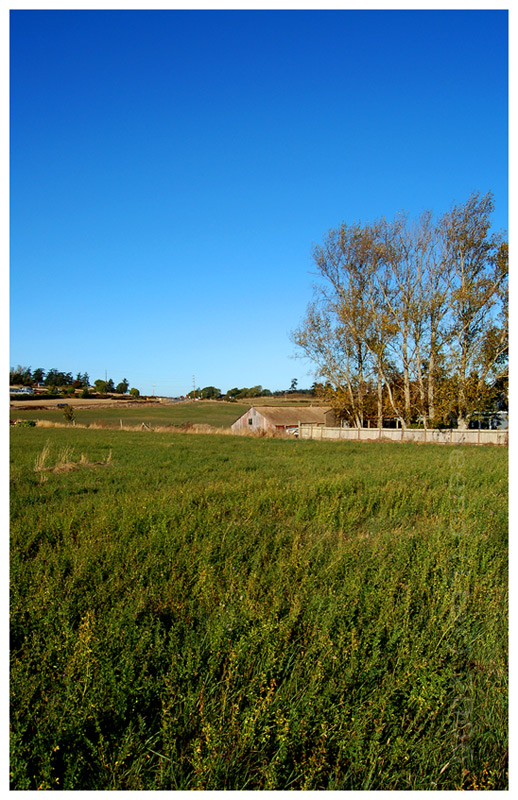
(193, 387)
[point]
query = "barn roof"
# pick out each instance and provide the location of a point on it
(282, 415)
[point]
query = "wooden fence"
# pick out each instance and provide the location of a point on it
(451, 436)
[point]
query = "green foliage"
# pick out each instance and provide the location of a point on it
(134, 392)
(20, 376)
(210, 393)
(257, 614)
(253, 392)
(83, 379)
(122, 387)
(56, 378)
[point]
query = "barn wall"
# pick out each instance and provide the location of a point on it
(258, 422)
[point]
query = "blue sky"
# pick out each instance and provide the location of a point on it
(171, 171)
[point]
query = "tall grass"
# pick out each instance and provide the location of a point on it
(227, 613)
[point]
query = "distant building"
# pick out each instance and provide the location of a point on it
(282, 418)
(21, 390)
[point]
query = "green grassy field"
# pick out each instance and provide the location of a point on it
(217, 612)
(218, 415)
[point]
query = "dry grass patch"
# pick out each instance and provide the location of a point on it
(65, 461)
(186, 427)
(47, 423)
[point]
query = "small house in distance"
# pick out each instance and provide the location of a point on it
(282, 419)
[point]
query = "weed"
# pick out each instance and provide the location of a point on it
(41, 459)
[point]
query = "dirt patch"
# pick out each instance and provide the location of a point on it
(32, 407)
(78, 402)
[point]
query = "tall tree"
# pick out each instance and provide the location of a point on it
(100, 386)
(122, 387)
(54, 378)
(336, 329)
(412, 313)
(210, 393)
(398, 285)
(20, 376)
(478, 265)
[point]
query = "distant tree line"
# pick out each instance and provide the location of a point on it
(410, 318)
(24, 376)
(56, 380)
(212, 393)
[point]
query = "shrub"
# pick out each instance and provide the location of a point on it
(68, 413)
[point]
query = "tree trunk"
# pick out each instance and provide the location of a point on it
(406, 378)
(380, 401)
(420, 383)
(431, 380)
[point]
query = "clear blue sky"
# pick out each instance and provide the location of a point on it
(171, 172)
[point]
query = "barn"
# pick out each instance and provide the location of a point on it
(282, 418)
